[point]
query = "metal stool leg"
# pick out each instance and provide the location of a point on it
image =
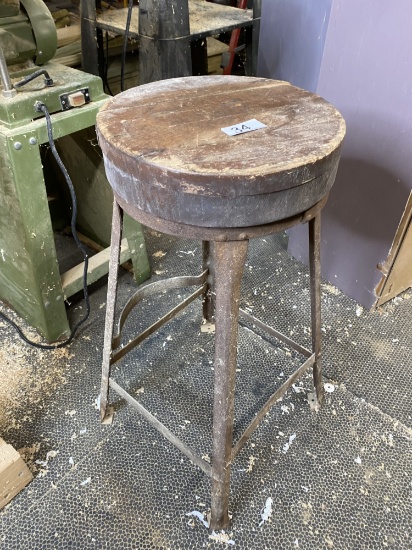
(117, 222)
(314, 265)
(208, 296)
(229, 260)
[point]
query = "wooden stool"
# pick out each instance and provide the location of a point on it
(173, 169)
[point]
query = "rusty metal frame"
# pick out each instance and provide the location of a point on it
(150, 290)
(224, 254)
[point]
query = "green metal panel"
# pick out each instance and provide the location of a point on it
(29, 278)
(44, 29)
(19, 110)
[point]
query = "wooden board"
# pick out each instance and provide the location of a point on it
(206, 19)
(14, 474)
(215, 48)
(397, 269)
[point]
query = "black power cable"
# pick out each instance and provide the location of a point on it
(106, 66)
(41, 107)
(47, 80)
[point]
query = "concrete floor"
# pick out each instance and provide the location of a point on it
(339, 478)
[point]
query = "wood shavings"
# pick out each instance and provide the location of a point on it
(223, 537)
(188, 252)
(359, 311)
(331, 289)
(28, 377)
(287, 445)
(266, 511)
(252, 460)
(50, 454)
(86, 481)
(284, 409)
(198, 515)
(96, 403)
(28, 454)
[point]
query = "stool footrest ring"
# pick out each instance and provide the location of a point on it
(117, 355)
(151, 289)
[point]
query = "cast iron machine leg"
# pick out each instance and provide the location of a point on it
(117, 223)
(229, 261)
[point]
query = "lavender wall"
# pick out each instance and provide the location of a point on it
(292, 38)
(366, 72)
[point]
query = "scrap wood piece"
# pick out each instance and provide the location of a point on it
(14, 473)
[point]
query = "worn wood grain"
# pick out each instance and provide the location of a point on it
(14, 474)
(397, 268)
(164, 140)
(177, 126)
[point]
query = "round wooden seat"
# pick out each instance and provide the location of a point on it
(166, 155)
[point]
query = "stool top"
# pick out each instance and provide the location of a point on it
(163, 145)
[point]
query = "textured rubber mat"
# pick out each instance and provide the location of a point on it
(336, 478)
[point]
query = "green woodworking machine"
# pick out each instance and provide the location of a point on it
(30, 278)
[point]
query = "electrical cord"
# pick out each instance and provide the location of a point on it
(125, 40)
(47, 80)
(106, 65)
(41, 107)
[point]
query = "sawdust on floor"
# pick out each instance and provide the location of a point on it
(28, 377)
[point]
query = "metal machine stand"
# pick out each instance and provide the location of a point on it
(30, 279)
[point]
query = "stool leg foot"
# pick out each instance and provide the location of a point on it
(110, 305)
(315, 293)
(229, 261)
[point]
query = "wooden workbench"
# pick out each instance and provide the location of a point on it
(165, 46)
(205, 19)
